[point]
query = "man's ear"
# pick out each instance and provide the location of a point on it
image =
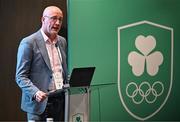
(42, 19)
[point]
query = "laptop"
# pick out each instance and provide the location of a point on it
(81, 77)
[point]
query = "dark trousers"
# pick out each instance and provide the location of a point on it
(54, 109)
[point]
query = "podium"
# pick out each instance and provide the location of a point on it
(77, 97)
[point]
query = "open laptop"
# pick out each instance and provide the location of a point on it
(80, 77)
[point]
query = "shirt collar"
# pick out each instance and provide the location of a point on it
(46, 39)
(44, 36)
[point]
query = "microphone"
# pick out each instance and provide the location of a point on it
(56, 45)
(59, 53)
(66, 85)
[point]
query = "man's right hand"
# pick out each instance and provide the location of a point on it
(40, 96)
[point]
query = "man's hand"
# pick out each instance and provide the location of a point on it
(40, 96)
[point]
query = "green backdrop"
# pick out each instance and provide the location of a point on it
(93, 41)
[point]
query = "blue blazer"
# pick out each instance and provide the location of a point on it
(33, 70)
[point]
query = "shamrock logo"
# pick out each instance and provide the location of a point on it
(78, 119)
(152, 60)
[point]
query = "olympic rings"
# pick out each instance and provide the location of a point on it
(144, 90)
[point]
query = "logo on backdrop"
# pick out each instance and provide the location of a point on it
(79, 117)
(145, 67)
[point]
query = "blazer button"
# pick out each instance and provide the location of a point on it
(51, 76)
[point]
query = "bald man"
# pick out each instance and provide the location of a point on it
(42, 68)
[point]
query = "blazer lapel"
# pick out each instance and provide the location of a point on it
(43, 50)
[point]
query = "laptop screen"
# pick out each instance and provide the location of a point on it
(81, 77)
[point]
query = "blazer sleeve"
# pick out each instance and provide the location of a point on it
(23, 67)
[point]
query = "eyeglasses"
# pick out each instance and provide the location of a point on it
(54, 18)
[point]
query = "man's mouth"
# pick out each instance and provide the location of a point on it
(55, 28)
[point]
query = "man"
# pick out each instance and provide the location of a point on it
(41, 68)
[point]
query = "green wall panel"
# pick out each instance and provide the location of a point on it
(95, 103)
(93, 41)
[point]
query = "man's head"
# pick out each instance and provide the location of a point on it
(51, 21)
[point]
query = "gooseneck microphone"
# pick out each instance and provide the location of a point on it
(66, 85)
